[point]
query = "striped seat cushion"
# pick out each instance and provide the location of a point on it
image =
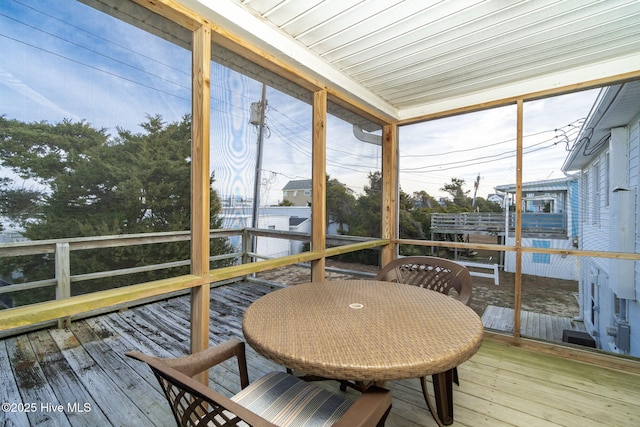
(288, 401)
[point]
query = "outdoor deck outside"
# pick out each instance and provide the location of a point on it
(146, 149)
(84, 369)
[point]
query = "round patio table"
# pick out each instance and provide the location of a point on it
(366, 330)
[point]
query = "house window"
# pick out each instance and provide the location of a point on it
(541, 258)
(307, 192)
(620, 309)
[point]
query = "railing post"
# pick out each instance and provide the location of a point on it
(246, 246)
(63, 277)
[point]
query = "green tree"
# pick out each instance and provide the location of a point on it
(422, 199)
(458, 195)
(368, 213)
(341, 204)
(410, 226)
(90, 184)
(484, 205)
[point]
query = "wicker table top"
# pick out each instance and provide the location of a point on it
(362, 330)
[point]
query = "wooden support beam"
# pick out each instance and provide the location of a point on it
(389, 192)
(200, 187)
(175, 12)
(319, 179)
(517, 304)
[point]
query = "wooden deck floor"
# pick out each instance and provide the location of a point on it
(532, 325)
(79, 376)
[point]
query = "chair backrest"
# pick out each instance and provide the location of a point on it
(194, 404)
(438, 274)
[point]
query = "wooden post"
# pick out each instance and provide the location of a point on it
(63, 277)
(390, 187)
(200, 188)
(518, 233)
(319, 180)
(246, 246)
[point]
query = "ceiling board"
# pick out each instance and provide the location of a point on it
(414, 56)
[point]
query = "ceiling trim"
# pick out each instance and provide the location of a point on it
(236, 20)
(568, 80)
(259, 40)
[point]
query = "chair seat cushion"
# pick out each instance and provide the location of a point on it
(286, 400)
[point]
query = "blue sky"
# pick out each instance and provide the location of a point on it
(69, 61)
(62, 59)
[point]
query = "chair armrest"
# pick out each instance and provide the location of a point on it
(186, 383)
(201, 361)
(371, 409)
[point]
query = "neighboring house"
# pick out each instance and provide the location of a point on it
(11, 236)
(298, 192)
(496, 198)
(607, 155)
(549, 220)
(299, 225)
(283, 218)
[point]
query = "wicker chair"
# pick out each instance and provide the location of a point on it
(277, 399)
(438, 274)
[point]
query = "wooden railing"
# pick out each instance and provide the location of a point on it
(494, 223)
(65, 306)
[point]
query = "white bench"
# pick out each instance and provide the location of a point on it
(495, 276)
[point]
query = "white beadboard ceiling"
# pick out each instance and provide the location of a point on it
(415, 57)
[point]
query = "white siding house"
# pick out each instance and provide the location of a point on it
(549, 220)
(283, 218)
(606, 154)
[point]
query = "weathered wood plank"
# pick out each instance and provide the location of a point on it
(533, 325)
(79, 406)
(34, 388)
(9, 393)
(119, 408)
(107, 356)
(121, 343)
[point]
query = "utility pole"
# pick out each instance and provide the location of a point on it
(476, 184)
(261, 107)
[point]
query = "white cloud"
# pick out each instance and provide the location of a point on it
(24, 90)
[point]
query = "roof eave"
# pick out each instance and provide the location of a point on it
(251, 28)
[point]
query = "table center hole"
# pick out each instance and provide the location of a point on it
(356, 306)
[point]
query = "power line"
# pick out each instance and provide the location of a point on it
(571, 125)
(84, 63)
(471, 162)
(102, 38)
(97, 53)
(96, 68)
